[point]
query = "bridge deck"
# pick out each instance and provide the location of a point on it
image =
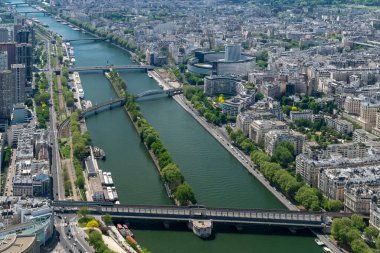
(224, 215)
(90, 68)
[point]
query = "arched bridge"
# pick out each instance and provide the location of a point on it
(31, 12)
(117, 102)
(235, 216)
(148, 93)
(107, 67)
(93, 110)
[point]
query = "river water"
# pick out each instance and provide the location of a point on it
(216, 177)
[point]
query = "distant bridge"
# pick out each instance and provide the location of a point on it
(107, 67)
(30, 12)
(148, 93)
(93, 110)
(83, 39)
(234, 216)
(16, 4)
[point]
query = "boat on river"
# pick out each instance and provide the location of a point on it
(99, 153)
(327, 250)
(319, 242)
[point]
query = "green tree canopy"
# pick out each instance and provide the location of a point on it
(184, 194)
(172, 175)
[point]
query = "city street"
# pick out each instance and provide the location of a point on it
(8, 191)
(71, 237)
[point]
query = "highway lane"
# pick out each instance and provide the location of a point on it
(71, 238)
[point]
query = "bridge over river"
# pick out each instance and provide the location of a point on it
(93, 110)
(195, 214)
(108, 67)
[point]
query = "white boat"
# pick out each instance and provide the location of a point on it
(81, 93)
(150, 75)
(319, 242)
(105, 179)
(110, 194)
(115, 195)
(110, 180)
(327, 250)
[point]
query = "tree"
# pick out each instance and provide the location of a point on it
(371, 233)
(184, 194)
(352, 234)
(359, 246)
(29, 102)
(107, 219)
(333, 205)
(92, 224)
(172, 175)
(259, 96)
(340, 227)
(283, 156)
(357, 221)
(308, 197)
(83, 211)
(378, 243)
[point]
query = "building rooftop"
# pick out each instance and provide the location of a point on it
(16, 243)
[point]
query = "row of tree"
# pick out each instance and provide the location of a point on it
(42, 99)
(293, 186)
(170, 172)
(80, 143)
(349, 231)
(240, 140)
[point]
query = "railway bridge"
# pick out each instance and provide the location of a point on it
(195, 215)
(107, 67)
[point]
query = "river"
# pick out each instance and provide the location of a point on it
(216, 177)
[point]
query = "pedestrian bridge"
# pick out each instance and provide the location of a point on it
(93, 110)
(234, 216)
(33, 12)
(108, 67)
(150, 93)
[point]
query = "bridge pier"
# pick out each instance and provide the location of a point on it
(201, 228)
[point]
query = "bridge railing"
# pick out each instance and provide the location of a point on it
(314, 219)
